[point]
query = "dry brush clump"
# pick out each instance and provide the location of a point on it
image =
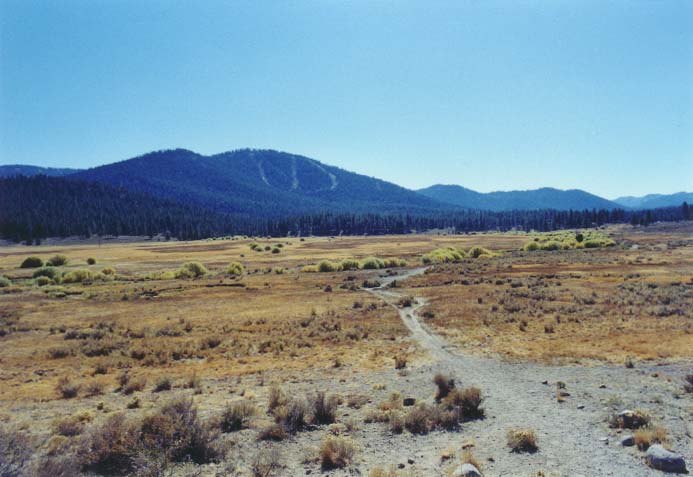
(646, 436)
(522, 440)
(337, 452)
(237, 416)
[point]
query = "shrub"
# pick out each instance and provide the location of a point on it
(551, 246)
(265, 462)
(467, 401)
(443, 255)
(445, 385)
(327, 266)
(4, 282)
(420, 419)
(235, 269)
(336, 452)
(630, 419)
(372, 263)
(277, 398)
(133, 385)
(57, 261)
(78, 276)
(647, 436)
(66, 388)
(165, 383)
(91, 261)
(42, 281)
(59, 353)
(71, 426)
(15, 451)
(310, 269)
(191, 270)
(530, 246)
(237, 416)
(273, 432)
(276, 250)
(177, 429)
(400, 361)
(48, 272)
(349, 264)
(32, 262)
(476, 252)
(108, 271)
(522, 440)
(293, 415)
(394, 263)
(324, 409)
(110, 447)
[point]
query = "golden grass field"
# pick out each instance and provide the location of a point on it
(606, 304)
(73, 354)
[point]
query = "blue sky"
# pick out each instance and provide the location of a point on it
(490, 95)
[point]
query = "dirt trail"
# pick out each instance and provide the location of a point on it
(573, 437)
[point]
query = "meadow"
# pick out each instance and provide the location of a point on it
(226, 333)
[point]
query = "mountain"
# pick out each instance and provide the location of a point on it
(41, 206)
(544, 198)
(258, 183)
(653, 201)
(21, 170)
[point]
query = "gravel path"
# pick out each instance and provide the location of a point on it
(573, 438)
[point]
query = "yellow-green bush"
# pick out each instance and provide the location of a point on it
(327, 266)
(191, 270)
(476, 252)
(372, 263)
(4, 282)
(57, 260)
(235, 269)
(78, 276)
(32, 262)
(444, 255)
(349, 264)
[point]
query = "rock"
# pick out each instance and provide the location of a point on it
(605, 440)
(410, 461)
(466, 470)
(400, 466)
(581, 406)
(628, 441)
(409, 401)
(659, 458)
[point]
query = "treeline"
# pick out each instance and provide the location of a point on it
(33, 208)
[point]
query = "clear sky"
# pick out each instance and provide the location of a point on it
(491, 95)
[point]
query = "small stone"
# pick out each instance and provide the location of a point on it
(628, 441)
(581, 406)
(400, 466)
(602, 386)
(544, 382)
(409, 401)
(605, 440)
(466, 470)
(410, 461)
(659, 458)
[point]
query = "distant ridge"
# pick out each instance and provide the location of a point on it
(653, 201)
(544, 198)
(22, 170)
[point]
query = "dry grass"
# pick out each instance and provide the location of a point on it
(522, 440)
(336, 452)
(610, 304)
(645, 437)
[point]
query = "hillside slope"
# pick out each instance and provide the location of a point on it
(544, 198)
(653, 201)
(258, 182)
(12, 170)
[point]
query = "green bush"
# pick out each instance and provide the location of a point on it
(276, 250)
(531, 246)
(91, 261)
(49, 272)
(191, 270)
(551, 246)
(443, 255)
(310, 269)
(108, 271)
(32, 262)
(78, 276)
(327, 266)
(57, 260)
(43, 281)
(349, 264)
(4, 282)
(372, 263)
(476, 252)
(235, 269)
(394, 262)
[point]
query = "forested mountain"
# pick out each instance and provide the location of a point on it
(37, 207)
(22, 170)
(544, 198)
(40, 206)
(653, 201)
(258, 183)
